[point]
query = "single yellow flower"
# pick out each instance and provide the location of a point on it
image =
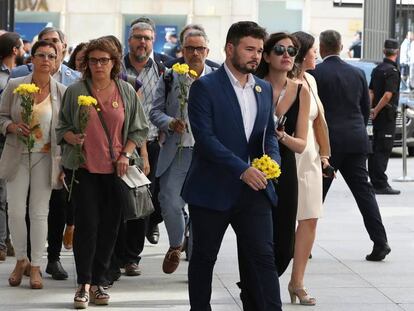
(193, 73)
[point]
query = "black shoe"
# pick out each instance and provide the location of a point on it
(387, 190)
(379, 252)
(55, 269)
(153, 234)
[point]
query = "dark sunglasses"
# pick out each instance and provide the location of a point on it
(280, 50)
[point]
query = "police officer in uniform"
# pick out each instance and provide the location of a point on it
(384, 93)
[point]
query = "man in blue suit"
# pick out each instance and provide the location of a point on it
(231, 117)
(58, 203)
(343, 91)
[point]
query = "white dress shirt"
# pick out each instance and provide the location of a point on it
(187, 138)
(247, 100)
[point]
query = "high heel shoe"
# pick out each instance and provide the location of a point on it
(16, 276)
(36, 281)
(301, 293)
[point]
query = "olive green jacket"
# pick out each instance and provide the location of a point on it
(135, 124)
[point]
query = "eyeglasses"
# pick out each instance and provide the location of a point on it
(103, 61)
(280, 50)
(199, 49)
(46, 56)
(140, 37)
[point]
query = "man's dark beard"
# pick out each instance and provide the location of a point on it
(19, 60)
(235, 61)
(141, 58)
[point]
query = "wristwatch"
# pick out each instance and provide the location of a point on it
(126, 154)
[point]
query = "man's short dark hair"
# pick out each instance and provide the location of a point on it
(243, 29)
(331, 40)
(144, 19)
(52, 29)
(8, 41)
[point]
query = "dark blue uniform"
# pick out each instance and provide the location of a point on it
(384, 78)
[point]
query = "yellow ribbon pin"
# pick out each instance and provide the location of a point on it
(258, 89)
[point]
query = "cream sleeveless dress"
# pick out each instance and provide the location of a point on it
(309, 172)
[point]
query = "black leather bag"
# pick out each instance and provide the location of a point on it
(134, 194)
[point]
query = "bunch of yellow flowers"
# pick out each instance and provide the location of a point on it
(183, 69)
(26, 89)
(268, 166)
(86, 100)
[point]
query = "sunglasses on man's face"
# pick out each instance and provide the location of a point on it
(280, 50)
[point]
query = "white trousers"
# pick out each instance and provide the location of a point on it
(40, 190)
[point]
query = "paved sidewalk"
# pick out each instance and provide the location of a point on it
(338, 275)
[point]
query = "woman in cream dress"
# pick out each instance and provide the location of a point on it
(309, 171)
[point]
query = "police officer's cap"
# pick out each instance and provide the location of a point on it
(391, 44)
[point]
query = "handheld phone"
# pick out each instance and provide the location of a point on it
(329, 171)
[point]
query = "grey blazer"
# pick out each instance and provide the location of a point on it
(10, 111)
(163, 111)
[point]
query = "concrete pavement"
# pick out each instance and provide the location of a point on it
(338, 275)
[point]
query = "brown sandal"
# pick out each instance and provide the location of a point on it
(16, 276)
(99, 296)
(81, 299)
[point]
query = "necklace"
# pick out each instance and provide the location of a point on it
(282, 93)
(103, 88)
(41, 87)
(113, 99)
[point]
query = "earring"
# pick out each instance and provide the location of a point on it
(304, 58)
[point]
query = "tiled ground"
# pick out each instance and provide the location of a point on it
(338, 276)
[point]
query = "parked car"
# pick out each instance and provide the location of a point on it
(406, 97)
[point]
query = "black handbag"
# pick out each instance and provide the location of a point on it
(135, 194)
(132, 188)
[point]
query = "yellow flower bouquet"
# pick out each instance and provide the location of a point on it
(268, 166)
(27, 91)
(184, 72)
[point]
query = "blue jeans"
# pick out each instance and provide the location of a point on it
(3, 214)
(172, 205)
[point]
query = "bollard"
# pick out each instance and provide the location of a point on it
(404, 177)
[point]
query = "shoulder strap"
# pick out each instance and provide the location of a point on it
(167, 78)
(160, 66)
(311, 89)
(111, 151)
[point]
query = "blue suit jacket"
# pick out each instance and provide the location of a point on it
(343, 91)
(221, 152)
(161, 114)
(67, 75)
